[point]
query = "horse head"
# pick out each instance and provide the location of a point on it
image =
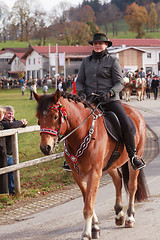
(51, 114)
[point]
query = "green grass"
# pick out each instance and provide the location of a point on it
(123, 31)
(39, 179)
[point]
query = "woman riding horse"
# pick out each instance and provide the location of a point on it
(88, 149)
(100, 81)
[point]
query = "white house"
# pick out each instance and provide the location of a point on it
(132, 53)
(151, 58)
(5, 57)
(17, 64)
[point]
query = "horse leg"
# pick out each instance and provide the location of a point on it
(127, 96)
(91, 229)
(95, 227)
(132, 187)
(117, 180)
(141, 95)
(138, 95)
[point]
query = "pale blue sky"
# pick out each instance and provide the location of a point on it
(46, 4)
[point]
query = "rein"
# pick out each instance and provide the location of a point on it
(62, 110)
(92, 113)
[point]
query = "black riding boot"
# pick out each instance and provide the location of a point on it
(136, 161)
(66, 167)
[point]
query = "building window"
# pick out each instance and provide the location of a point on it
(149, 70)
(29, 61)
(34, 61)
(15, 62)
(148, 55)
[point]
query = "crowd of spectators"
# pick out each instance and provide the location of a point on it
(50, 82)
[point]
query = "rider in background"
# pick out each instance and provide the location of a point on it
(141, 73)
(101, 74)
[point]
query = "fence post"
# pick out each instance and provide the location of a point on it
(3, 163)
(15, 155)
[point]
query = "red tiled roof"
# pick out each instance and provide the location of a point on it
(19, 55)
(16, 50)
(2, 52)
(61, 49)
(136, 42)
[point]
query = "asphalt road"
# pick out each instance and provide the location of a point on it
(66, 220)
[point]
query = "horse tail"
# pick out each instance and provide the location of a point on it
(142, 192)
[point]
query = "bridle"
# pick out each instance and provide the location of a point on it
(63, 116)
(56, 132)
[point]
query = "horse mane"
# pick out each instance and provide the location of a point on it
(76, 99)
(46, 101)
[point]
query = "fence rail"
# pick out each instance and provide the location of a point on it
(15, 153)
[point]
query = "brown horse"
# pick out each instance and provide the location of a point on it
(140, 88)
(88, 148)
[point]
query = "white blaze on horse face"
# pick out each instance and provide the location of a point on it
(44, 113)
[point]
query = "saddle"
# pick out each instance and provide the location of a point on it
(113, 128)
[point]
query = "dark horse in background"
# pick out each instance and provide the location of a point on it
(88, 148)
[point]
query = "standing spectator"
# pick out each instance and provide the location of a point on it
(155, 84)
(9, 122)
(148, 83)
(23, 89)
(31, 92)
(74, 92)
(45, 88)
(21, 82)
(2, 113)
(60, 86)
(64, 85)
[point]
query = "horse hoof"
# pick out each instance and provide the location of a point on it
(86, 237)
(119, 221)
(129, 224)
(95, 234)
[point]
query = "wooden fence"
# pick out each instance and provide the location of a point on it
(15, 153)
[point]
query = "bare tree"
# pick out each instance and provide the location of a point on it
(60, 13)
(40, 30)
(4, 13)
(110, 14)
(20, 16)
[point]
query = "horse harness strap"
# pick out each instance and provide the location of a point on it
(83, 146)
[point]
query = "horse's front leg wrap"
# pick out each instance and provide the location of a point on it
(87, 229)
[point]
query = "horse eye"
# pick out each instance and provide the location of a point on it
(55, 117)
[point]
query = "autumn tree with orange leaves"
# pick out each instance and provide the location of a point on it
(136, 17)
(153, 16)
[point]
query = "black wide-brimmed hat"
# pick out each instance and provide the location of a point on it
(100, 37)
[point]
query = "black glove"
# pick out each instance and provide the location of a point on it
(82, 95)
(104, 96)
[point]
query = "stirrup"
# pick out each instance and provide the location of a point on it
(140, 160)
(66, 167)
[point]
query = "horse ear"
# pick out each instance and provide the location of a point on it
(57, 95)
(36, 96)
